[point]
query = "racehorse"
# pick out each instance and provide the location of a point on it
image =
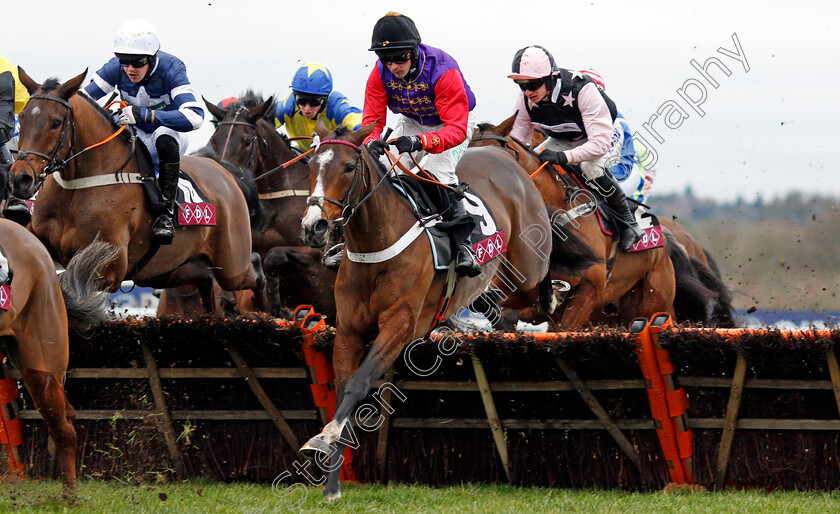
(34, 329)
(641, 283)
(245, 136)
(397, 299)
(95, 192)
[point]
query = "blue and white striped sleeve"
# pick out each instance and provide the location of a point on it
(184, 113)
(105, 80)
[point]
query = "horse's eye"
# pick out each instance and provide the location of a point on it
(54, 124)
(247, 144)
(350, 167)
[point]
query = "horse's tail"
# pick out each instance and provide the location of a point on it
(248, 186)
(570, 256)
(86, 305)
(722, 312)
(693, 301)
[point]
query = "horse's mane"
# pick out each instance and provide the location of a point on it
(53, 83)
(485, 126)
(248, 100)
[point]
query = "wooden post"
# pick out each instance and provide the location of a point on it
(834, 371)
(492, 416)
(250, 377)
(735, 394)
(599, 411)
(382, 441)
(163, 411)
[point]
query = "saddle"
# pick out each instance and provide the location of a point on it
(429, 201)
(192, 204)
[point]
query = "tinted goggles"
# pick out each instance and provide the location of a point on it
(398, 57)
(530, 85)
(135, 61)
(312, 101)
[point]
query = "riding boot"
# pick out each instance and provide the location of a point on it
(630, 233)
(17, 211)
(335, 250)
(164, 230)
(466, 263)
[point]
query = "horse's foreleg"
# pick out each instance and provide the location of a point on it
(579, 306)
(259, 289)
(49, 399)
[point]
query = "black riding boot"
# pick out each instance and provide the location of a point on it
(164, 230)
(630, 233)
(466, 264)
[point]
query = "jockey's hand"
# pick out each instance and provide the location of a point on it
(129, 115)
(553, 157)
(408, 144)
(377, 147)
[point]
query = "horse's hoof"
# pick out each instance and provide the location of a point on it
(331, 497)
(313, 446)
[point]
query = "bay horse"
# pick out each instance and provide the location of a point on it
(396, 300)
(245, 136)
(69, 214)
(34, 329)
(641, 283)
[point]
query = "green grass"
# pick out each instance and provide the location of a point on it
(203, 496)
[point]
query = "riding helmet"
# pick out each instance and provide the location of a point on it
(136, 37)
(313, 79)
(533, 62)
(394, 31)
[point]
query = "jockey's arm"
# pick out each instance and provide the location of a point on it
(598, 125)
(454, 110)
(376, 105)
(523, 128)
(341, 112)
(104, 81)
(7, 107)
(188, 113)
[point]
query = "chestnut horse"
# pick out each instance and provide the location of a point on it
(246, 137)
(89, 189)
(394, 298)
(33, 331)
(641, 283)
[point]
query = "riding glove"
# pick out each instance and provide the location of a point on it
(553, 157)
(129, 115)
(377, 147)
(408, 144)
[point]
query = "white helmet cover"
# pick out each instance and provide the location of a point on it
(532, 62)
(136, 37)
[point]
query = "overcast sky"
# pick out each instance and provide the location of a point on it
(763, 131)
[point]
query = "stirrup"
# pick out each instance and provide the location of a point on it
(17, 211)
(332, 257)
(163, 231)
(466, 264)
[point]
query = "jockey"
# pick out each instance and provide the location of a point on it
(13, 96)
(312, 99)
(162, 106)
(424, 86)
(578, 117)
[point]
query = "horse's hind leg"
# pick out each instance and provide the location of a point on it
(48, 396)
(259, 289)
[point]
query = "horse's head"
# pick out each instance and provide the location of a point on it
(46, 132)
(336, 180)
(236, 139)
(487, 134)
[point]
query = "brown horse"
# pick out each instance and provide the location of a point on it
(33, 332)
(245, 136)
(100, 195)
(641, 283)
(394, 300)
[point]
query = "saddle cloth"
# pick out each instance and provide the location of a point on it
(6, 288)
(486, 239)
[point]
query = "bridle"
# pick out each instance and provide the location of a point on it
(54, 164)
(362, 170)
(255, 139)
(501, 139)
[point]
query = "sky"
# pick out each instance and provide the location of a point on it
(763, 131)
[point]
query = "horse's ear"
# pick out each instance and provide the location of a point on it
(269, 113)
(260, 111)
(70, 87)
(27, 81)
(365, 131)
(321, 129)
(214, 109)
(506, 126)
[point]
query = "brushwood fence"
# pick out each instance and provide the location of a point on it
(233, 400)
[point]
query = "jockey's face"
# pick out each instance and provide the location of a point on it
(136, 74)
(537, 95)
(399, 70)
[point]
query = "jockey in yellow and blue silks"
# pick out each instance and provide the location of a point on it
(312, 98)
(13, 96)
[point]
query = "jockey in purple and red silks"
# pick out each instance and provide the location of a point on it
(425, 87)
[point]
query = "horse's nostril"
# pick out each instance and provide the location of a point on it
(23, 182)
(321, 227)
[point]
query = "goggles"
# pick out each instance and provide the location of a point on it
(312, 101)
(134, 61)
(530, 85)
(398, 57)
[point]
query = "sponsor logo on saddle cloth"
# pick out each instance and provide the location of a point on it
(194, 208)
(488, 242)
(649, 224)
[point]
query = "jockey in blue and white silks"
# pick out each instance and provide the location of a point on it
(161, 106)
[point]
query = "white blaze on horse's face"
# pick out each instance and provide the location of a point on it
(313, 213)
(36, 110)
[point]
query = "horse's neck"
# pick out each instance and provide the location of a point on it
(527, 159)
(279, 153)
(381, 220)
(90, 129)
